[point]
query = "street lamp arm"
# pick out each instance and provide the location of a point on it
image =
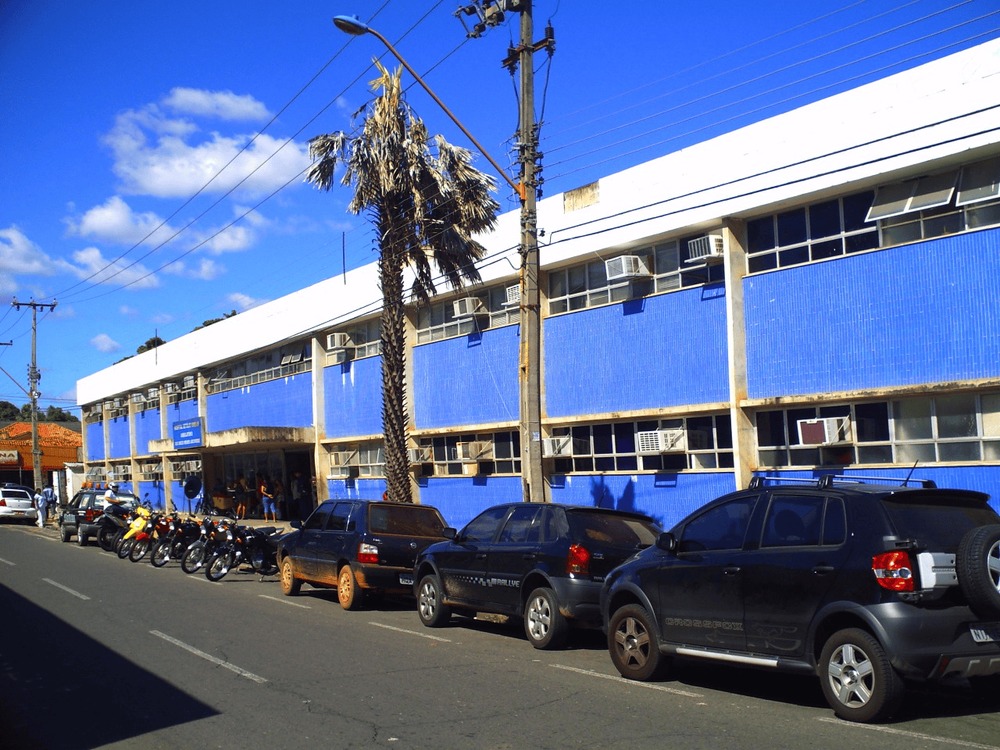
(355, 27)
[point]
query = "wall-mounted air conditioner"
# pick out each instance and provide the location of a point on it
(339, 342)
(706, 249)
(467, 307)
(138, 398)
(343, 458)
(513, 295)
(626, 267)
(420, 455)
(152, 394)
(189, 382)
(474, 450)
(561, 445)
(825, 431)
(672, 440)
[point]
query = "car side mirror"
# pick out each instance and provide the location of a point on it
(667, 542)
(449, 533)
(295, 523)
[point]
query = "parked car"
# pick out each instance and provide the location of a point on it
(81, 513)
(865, 585)
(357, 547)
(17, 504)
(545, 562)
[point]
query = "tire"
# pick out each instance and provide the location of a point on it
(544, 624)
(139, 550)
(219, 564)
(193, 558)
(978, 564)
(106, 537)
(432, 612)
(290, 585)
(64, 533)
(161, 553)
(858, 681)
(348, 592)
(262, 561)
(125, 548)
(633, 644)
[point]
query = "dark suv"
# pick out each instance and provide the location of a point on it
(81, 513)
(865, 585)
(545, 562)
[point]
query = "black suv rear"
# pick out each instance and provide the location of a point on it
(545, 562)
(81, 514)
(865, 585)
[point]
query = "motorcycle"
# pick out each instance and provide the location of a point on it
(178, 537)
(212, 534)
(157, 526)
(244, 544)
(137, 525)
(113, 523)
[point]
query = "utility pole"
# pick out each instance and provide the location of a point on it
(491, 13)
(33, 377)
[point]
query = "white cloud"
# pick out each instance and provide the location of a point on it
(20, 256)
(163, 319)
(205, 270)
(128, 311)
(243, 301)
(115, 221)
(167, 157)
(92, 266)
(104, 343)
(222, 104)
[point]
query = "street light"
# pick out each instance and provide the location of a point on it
(355, 27)
(529, 365)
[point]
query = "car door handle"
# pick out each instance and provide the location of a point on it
(731, 570)
(480, 555)
(822, 570)
(528, 556)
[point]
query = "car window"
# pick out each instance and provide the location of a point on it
(405, 520)
(721, 527)
(834, 522)
(317, 521)
(793, 521)
(605, 528)
(483, 527)
(523, 526)
(339, 517)
(937, 518)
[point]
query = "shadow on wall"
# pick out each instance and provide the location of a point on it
(604, 497)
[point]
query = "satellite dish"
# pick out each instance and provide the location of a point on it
(192, 486)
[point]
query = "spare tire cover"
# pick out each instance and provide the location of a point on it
(978, 564)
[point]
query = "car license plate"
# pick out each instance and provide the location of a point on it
(406, 579)
(985, 632)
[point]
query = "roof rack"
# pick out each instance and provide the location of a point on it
(828, 480)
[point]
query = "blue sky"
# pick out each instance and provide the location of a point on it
(151, 154)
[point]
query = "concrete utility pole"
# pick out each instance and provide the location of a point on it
(33, 377)
(491, 13)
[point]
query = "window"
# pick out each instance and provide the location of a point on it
(821, 230)
(437, 321)
(317, 520)
(523, 525)
(721, 527)
(339, 517)
(484, 527)
(371, 460)
(277, 363)
(960, 427)
(502, 454)
(613, 446)
(793, 521)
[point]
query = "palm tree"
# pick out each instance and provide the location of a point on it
(426, 202)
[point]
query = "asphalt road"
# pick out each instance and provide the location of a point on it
(99, 652)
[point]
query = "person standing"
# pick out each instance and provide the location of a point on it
(266, 498)
(49, 496)
(41, 505)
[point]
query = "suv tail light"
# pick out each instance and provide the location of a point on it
(367, 554)
(894, 571)
(3, 503)
(578, 560)
(89, 515)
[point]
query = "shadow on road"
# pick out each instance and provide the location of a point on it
(62, 689)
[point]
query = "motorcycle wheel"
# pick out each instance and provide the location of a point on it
(262, 562)
(220, 563)
(160, 554)
(106, 537)
(125, 548)
(139, 550)
(193, 558)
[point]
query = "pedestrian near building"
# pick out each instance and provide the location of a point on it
(49, 496)
(267, 499)
(41, 505)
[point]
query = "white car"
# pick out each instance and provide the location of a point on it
(17, 504)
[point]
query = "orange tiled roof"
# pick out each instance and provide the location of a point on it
(49, 433)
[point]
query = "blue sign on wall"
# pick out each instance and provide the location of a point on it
(187, 434)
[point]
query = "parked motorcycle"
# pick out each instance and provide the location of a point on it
(180, 534)
(212, 534)
(244, 544)
(157, 526)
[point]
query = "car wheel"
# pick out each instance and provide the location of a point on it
(290, 585)
(161, 553)
(632, 642)
(544, 624)
(81, 539)
(858, 681)
(432, 612)
(347, 589)
(978, 564)
(64, 533)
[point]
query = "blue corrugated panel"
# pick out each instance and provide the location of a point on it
(355, 489)
(460, 499)
(467, 380)
(147, 427)
(665, 350)
(118, 434)
(95, 441)
(284, 402)
(353, 393)
(182, 411)
(922, 313)
(154, 493)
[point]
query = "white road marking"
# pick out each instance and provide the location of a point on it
(905, 733)
(7, 562)
(208, 657)
(284, 601)
(410, 632)
(632, 683)
(68, 590)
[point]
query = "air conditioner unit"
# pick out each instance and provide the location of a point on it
(513, 295)
(474, 450)
(189, 382)
(561, 445)
(707, 248)
(626, 267)
(343, 458)
(468, 307)
(418, 455)
(138, 398)
(661, 441)
(825, 431)
(339, 342)
(152, 394)
(171, 387)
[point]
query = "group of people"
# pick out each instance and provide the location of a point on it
(45, 500)
(271, 500)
